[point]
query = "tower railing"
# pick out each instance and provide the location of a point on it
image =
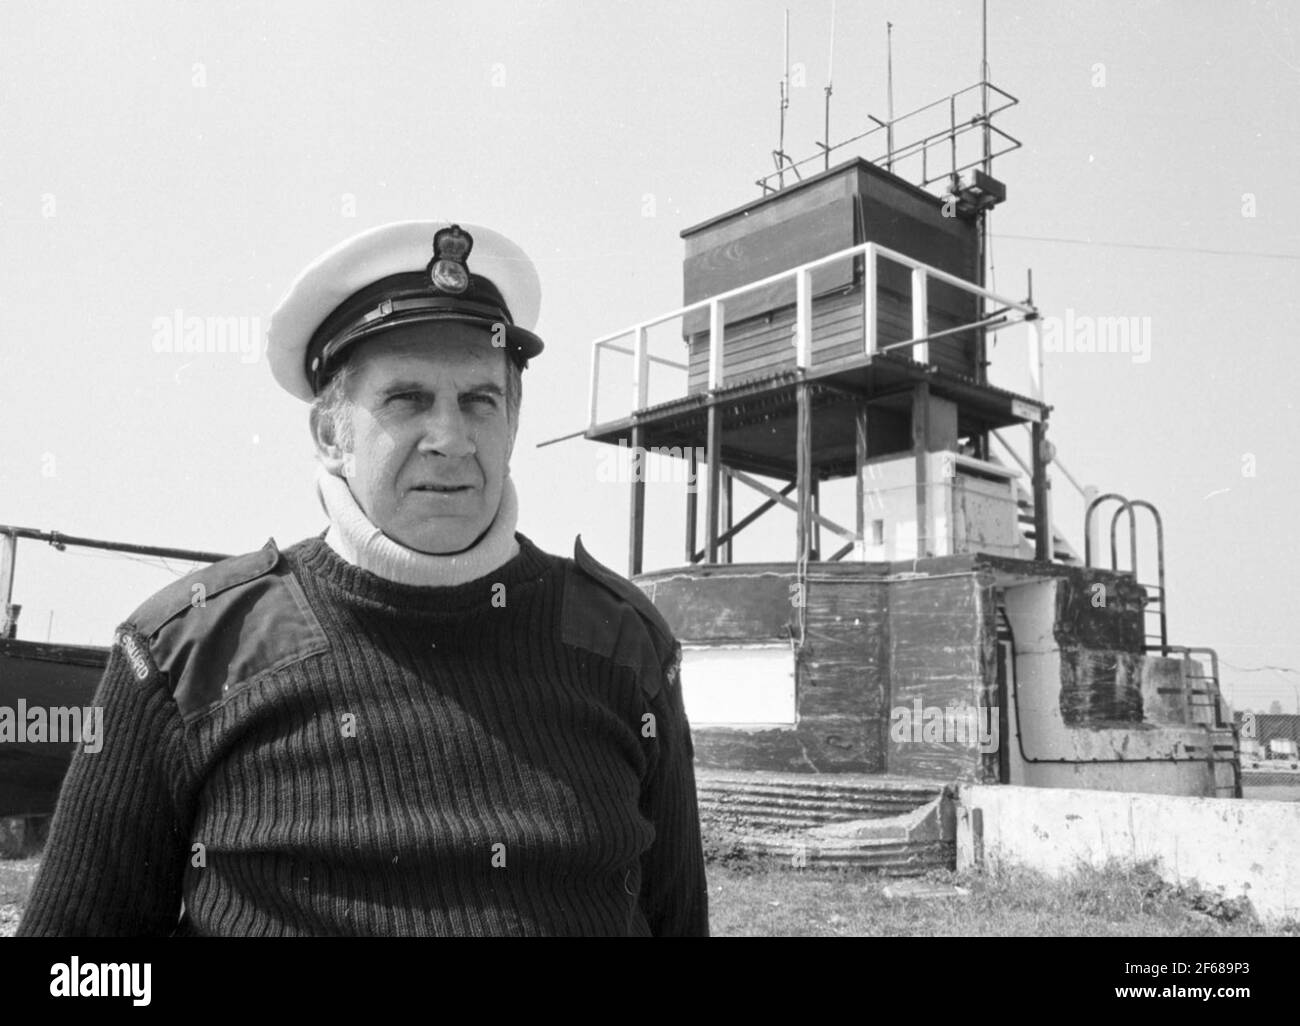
(947, 137)
(1006, 312)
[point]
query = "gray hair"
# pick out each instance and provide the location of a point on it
(333, 404)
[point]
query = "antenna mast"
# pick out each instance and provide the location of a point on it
(785, 102)
(830, 66)
(984, 85)
(988, 148)
(982, 230)
(889, 83)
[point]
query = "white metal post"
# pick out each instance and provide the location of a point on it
(715, 345)
(920, 314)
(640, 368)
(803, 319)
(8, 560)
(1091, 542)
(594, 385)
(869, 300)
(1035, 359)
(8, 563)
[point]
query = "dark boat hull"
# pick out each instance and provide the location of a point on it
(49, 676)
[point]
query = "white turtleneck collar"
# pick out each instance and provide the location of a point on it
(361, 543)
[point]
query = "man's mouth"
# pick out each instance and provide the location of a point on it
(442, 488)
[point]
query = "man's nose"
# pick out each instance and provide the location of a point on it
(446, 432)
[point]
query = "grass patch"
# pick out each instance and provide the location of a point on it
(762, 896)
(765, 897)
(16, 879)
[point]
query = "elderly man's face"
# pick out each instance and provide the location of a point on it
(431, 436)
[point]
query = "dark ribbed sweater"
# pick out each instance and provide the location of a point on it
(449, 764)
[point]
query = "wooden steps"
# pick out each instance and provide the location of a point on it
(891, 825)
(808, 800)
(1062, 550)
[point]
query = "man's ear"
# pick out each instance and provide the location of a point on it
(328, 451)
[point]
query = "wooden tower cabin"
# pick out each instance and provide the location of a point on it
(836, 329)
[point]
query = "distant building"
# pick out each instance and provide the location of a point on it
(1269, 737)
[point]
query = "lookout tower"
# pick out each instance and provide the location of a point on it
(838, 328)
(839, 324)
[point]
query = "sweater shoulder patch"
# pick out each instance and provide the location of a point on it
(225, 626)
(610, 616)
(194, 589)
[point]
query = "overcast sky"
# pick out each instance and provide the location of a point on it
(163, 157)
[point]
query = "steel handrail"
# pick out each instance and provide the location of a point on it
(888, 127)
(860, 249)
(1017, 311)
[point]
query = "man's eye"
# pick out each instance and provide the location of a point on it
(481, 398)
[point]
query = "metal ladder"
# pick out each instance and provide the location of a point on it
(1155, 592)
(1205, 702)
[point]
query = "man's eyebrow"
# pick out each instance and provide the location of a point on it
(393, 387)
(397, 387)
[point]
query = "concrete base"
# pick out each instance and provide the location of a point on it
(1243, 848)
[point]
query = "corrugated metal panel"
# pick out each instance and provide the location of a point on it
(793, 800)
(771, 814)
(889, 858)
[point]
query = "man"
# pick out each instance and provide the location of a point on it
(417, 723)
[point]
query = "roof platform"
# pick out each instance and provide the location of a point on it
(759, 414)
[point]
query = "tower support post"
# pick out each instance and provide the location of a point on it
(921, 451)
(1042, 515)
(711, 500)
(692, 498)
(803, 473)
(636, 518)
(860, 464)
(725, 518)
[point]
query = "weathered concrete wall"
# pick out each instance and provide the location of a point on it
(1246, 848)
(1064, 732)
(887, 649)
(844, 676)
(872, 644)
(938, 659)
(841, 674)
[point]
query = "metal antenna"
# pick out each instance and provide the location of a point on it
(785, 102)
(889, 82)
(982, 218)
(984, 86)
(830, 66)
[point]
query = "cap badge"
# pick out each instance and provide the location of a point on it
(447, 270)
